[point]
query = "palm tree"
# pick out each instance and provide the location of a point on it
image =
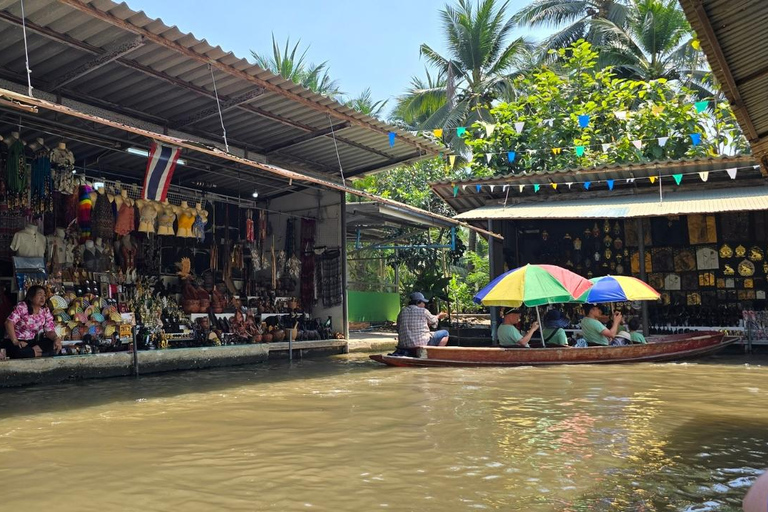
(422, 99)
(654, 42)
(576, 17)
(365, 104)
(470, 76)
(295, 68)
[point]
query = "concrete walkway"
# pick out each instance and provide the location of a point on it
(374, 341)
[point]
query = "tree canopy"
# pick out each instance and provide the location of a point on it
(621, 112)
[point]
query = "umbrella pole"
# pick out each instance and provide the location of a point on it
(541, 328)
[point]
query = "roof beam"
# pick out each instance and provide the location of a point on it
(227, 104)
(306, 137)
(100, 60)
(731, 89)
(269, 86)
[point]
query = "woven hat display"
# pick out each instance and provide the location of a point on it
(109, 330)
(81, 317)
(97, 317)
(115, 317)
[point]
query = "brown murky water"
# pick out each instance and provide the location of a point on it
(349, 435)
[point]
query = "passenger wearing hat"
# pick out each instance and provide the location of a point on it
(507, 333)
(554, 322)
(622, 338)
(594, 331)
(413, 324)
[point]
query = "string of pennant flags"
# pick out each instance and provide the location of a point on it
(611, 183)
(583, 121)
(580, 150)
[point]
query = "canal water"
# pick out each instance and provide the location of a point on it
(345, 434)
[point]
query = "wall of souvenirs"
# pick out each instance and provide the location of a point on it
(190, 270)
(708, 268)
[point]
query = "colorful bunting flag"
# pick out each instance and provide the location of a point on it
(662, 141)
(489, 128)
(583, 121)
(610, 184)
(657, 109)
(606, 147)
(452, 160)
(455, 190)
(488, 157)
(554, 186)
(696, 44)
(587, 184)
(569, 184)
(536, 187)
(621, 114)
(549, 122)
(463, 188)
(478, 187)
(519, 126)
(732, 173)
(461, 130)
(638, 143)
(701, 106)
(704, 175)
(504, 188)
(492, 187)
(438, 132)
(630, 180)
(557, 151)
(392, 136)
(511, 156)
(521, 187)
(579, 150)
(695, 138)
(652, 178)
(678, 178)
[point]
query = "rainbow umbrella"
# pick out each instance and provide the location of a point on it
(533, 285)
(618, 289)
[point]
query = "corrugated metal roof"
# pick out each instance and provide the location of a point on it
(469, 198)
(154, 72)
(734, 38)
(643, 205)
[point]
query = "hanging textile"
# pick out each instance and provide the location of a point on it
(16, 175)
(42, 182)
(307, 263)
(84, 212)
(290, 238)
(331, 278)
(102, 218)
(249, 234)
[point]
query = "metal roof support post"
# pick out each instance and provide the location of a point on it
(344, 278)
(492, 256)
(643, 276)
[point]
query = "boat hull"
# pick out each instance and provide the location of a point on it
(671, 348)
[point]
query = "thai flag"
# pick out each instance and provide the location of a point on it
(160, 167)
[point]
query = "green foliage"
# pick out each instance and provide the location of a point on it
(579, 86)
(365, 104)
(466, 283)
(470, 75)
(291, 65)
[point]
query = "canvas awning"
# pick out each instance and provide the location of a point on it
(644, 205)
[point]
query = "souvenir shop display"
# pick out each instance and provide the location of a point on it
(108, 257)
(707, 268)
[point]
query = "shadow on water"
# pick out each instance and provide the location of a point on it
(706, 464)
(90, 393)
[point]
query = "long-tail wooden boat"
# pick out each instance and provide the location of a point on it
(669, 348)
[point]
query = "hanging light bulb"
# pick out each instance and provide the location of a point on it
(255, 194)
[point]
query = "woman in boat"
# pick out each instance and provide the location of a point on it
(554, 323)
(507, 333)
(634, 331)
(594, 331)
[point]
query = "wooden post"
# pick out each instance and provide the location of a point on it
(344, 297)
(643, 276)
(493, 310)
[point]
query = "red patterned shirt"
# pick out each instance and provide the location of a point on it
(27, 326)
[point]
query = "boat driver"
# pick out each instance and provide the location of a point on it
(413, 325)
(594, 331)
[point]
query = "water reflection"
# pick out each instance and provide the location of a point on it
(346, 434)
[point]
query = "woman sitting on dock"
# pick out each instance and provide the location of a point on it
(29, 329)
